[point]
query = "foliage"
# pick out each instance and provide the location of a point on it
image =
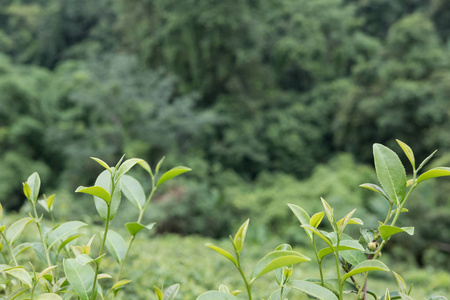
(64, 267)
(355, 256)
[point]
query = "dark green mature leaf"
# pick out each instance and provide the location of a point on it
(16, 229)
(223, 252)
(216, 295)
(390, 172)
(409, 153)
(353, 257)
(172, 173)
(376, 189)
(366, 266)
(80, 277)
(312, 289)
(133, 191)
(34, 182)
(62, 232)
(275, 260)
(116, 245)
(433, 173)
(386, 231)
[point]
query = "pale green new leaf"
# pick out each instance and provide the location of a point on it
(401, 282)
(433, 173)
(126, 166)
(342, 223)
(120, 284)
(133, 191)
(34, 182)
(101, 163)
(302, 216)
(116, 245)
(239, 238)
(312, 289)
(343, 245)
(171, 292)
(390, 172)
(318, 233)
(275, 260)
(172, 173)
(159, 164)
(62, 232)
(21, 274)
(328, 211)
(216, 295)
(159, 294)
(409, 153)
(20, 248)
(386, 231)
(146, 167)
(104, 181)
(80, 277)
(426, 160)
(223, 252)
(48, 296)
(96, 191)
(134, 227)
(366, 266)
(376, 189)
(16, 229)
(316, 219)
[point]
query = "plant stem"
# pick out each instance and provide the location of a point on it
(9, 250)
(318, 260)
(108, 213)
(249, 288)
(338, 271)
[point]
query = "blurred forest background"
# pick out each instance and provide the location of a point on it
(269, 102)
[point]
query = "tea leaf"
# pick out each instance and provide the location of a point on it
(401, 282)
(277, 295)
(97, 191)
(16, 229)
(133, 191)
(433, 173)
(62, 232)
(366, 266)
(80, 277)
(328, 211)
(126, 166)
(239, 238)
(216, 295)
(342, 223)
(27, 191)
(48, 296)
(316, 219)
(318, 233)
(390, 172)
(34, 182)
(159, 164)
(45, 271)
(279, 273)
(116, 245)
(302, 216)
(104, 181)
(21, 274)
(312, 289)
(223, 252)
(275, 260)
(376, 189)
(20, 248)
(171, 292)
(386, 231)
(146, 167)
(353, 257)
(159, 294)
(172, 173)
(343, 245)
(101, 163)
(68, 240)
(134, 227)
(120, 284)
(426, 160)
(409, 153)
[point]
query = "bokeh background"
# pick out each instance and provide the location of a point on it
(268, 101)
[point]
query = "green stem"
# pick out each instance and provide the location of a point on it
(44, 244)
(108, 213)
(141, 214)
(318, 260)
(125, 256)
(338, 269)
(9, 250)
(249, 288)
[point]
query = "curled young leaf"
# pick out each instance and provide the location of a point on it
(239, 238)
(409, 153)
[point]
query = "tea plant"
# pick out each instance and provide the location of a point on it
(70, 270)
(354, 259)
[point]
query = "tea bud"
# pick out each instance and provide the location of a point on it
(372, 246)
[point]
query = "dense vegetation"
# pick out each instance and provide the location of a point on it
(259, 97)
